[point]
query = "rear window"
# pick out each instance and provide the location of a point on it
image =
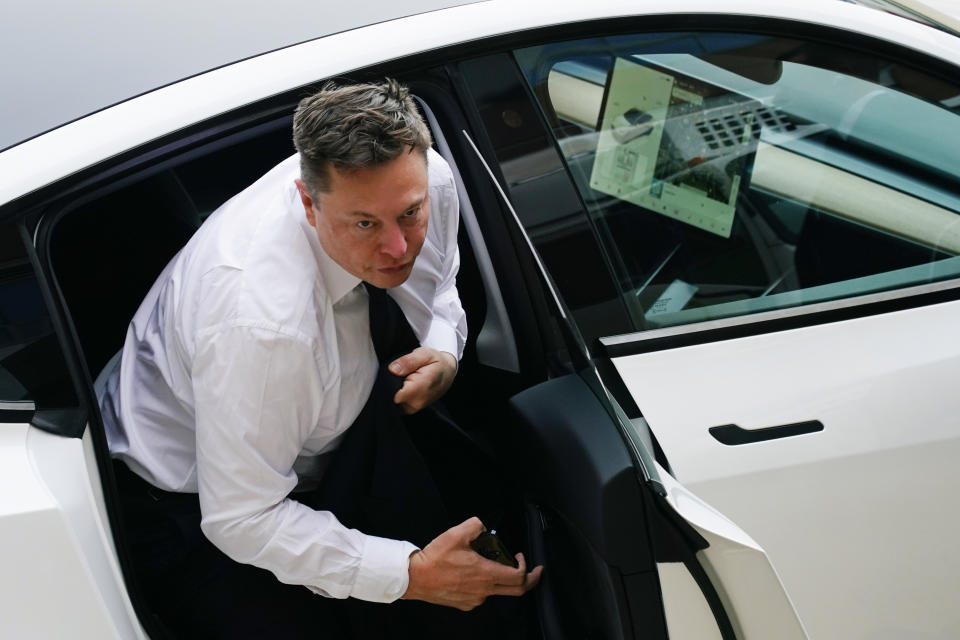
(32, 368)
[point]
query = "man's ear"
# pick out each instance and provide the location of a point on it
(307, 202)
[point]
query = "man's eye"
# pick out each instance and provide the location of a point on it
(412, 212)
(364, 224)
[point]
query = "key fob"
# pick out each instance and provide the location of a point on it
(491, 547)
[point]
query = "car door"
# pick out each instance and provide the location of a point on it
(758, 227)
(629, 551)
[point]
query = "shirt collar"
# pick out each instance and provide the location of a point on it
(336, 279)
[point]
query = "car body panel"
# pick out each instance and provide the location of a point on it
(866, 494)
(749, 586)
(68, 581)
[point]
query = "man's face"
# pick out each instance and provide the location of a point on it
(373, 221)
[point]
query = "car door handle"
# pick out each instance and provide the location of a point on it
(731, 434)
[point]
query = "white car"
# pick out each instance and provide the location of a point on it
(710, 258)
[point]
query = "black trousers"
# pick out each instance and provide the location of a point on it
(401, 477)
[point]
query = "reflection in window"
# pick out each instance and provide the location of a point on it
(729, 174)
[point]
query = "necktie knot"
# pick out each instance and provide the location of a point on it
(389, 329)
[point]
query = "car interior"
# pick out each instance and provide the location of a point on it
(576, 503)
(807, 226)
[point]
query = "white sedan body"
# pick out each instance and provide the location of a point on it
(855, 517)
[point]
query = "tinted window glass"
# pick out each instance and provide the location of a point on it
(544, 198)
(729, 174)
(31, 363)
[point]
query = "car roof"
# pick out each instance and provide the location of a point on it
(65, 59)
(81, 143)
(941, 14)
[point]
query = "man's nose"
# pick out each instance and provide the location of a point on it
(394, 242)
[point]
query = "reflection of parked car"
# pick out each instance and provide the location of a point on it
(796, 376)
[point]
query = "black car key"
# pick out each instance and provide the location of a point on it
(491, 547)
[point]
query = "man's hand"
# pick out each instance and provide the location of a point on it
(448, 572)
(427, 374)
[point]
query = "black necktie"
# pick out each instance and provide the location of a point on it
(391, 333)
(460, 467)
(378, 482)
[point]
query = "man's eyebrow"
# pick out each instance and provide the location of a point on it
(415, 204)
(364, 214)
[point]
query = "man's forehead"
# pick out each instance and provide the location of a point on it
(346, 171)
(398, 174)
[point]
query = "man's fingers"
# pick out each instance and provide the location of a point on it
(521, 563)
(533, 578)
(506, 576)
(507, 590)
(468, 530)
(415, 393)
(527, 582)
(405, 392)
(427, 374)
(405, 365)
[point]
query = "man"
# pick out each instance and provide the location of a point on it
(251, 357)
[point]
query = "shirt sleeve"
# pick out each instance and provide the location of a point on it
(259, 393)
(448, 325)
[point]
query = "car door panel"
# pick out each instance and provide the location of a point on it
(749, 586)
(796, 367)
(613, 546)
(594, 500)
(67, 578)
(860, 500)
(592, 514)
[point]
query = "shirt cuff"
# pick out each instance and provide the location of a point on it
(384, 570)
(443, 337)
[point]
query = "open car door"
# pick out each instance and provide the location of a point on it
(759, 228)
(628, 551)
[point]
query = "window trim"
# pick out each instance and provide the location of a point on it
(17, 411)
(71, 420)
(810, 315)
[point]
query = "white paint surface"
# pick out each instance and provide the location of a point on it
(60, 578)
(858, 518)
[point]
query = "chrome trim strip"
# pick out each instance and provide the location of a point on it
(638, 337)
(18, 405)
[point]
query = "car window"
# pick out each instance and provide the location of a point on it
(727, 174)
(32, 369)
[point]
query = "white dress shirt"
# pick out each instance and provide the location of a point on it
(248, 360)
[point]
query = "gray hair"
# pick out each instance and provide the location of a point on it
(355, 126)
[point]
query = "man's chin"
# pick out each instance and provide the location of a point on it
(388, 279)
